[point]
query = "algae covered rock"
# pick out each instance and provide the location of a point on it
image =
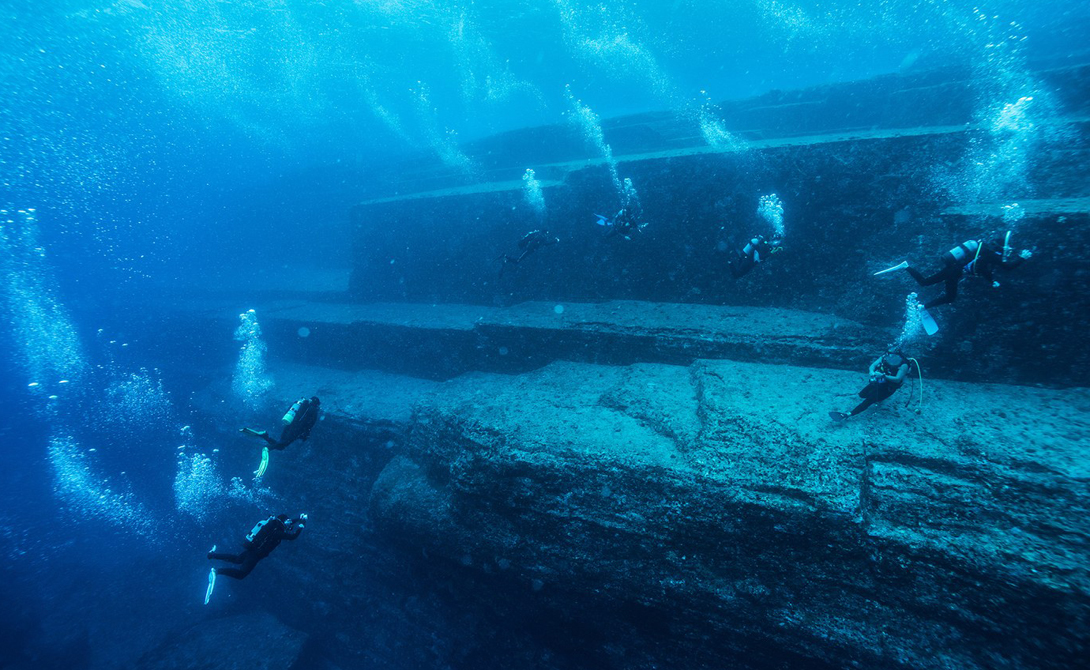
(719, 502)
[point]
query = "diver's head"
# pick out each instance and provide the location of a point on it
(894, 359)
(314, 400)
(282, 517)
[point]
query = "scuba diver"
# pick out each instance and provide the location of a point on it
(973, 258)
(624, 223)
(259, 543)
(756, 251)
(530, 242)
(298, 422)
(887, 374)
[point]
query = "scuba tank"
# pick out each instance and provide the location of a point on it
(290, 415)
(257, 529)
(964, 253)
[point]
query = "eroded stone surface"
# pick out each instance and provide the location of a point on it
(720, 497)
(255, 641)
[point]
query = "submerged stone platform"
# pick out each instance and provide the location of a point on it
(711, 515)
(445, 340)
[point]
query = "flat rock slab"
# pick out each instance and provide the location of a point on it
(721, 496)
(244, 642)
(445, 340)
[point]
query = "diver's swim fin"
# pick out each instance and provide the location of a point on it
(928, 321)
(838, 416)
(211, 583)
(255, 433)
(264, 462)
(602, 220)
(900, 266)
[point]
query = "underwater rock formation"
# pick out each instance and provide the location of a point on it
(240, 642)
(860, 193)
(706, 515)
(718, 502)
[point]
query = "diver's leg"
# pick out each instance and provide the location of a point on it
(224, 556)
(741, 265)
(867, 402)
(949, 296)
(926, 281)
(263, 434)
(247, 566)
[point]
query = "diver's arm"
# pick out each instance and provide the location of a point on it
(1012, 262)
(899, 378)
(873, 370)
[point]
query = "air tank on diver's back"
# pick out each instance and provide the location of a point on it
(290, 415)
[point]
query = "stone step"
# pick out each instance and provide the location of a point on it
(719, 499)
(1031, 208)
(444, 340)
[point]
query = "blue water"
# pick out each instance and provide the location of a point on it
(156, 142)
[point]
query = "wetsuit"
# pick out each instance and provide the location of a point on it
(966, 259)
(530, 242)
(881, 388)
(624, 223)
(299, 428)
(756, 251)
(266, 536)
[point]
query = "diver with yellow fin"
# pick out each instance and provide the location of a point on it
(298, 422)
(975, 258)
(259, 543)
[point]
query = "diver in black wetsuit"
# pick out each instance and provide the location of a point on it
(973, 258)
(756, 251)
(624, 223)
(259, 543)
(530, 242)
(299, 420)
(887, 374)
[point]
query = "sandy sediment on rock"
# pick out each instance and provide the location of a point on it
(720, 495)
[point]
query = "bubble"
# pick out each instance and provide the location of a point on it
(503, 351)
(197, 486)
(531, 190)
(770, 209)
(89, 497)
(559, 309)
(591, 126)
(304, 332)
(912, 328)
(251, 381)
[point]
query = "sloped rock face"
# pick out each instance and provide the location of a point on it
(242, 642)
(710, 515)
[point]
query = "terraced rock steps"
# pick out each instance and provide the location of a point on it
(442, 341)
(716, 504)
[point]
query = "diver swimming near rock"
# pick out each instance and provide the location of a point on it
(298, 421)
(972, 257)
(265, 536)
(625, 222)
(757, 250)
(530, 242)
(887, 374)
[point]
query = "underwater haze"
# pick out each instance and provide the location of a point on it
(566, 334)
